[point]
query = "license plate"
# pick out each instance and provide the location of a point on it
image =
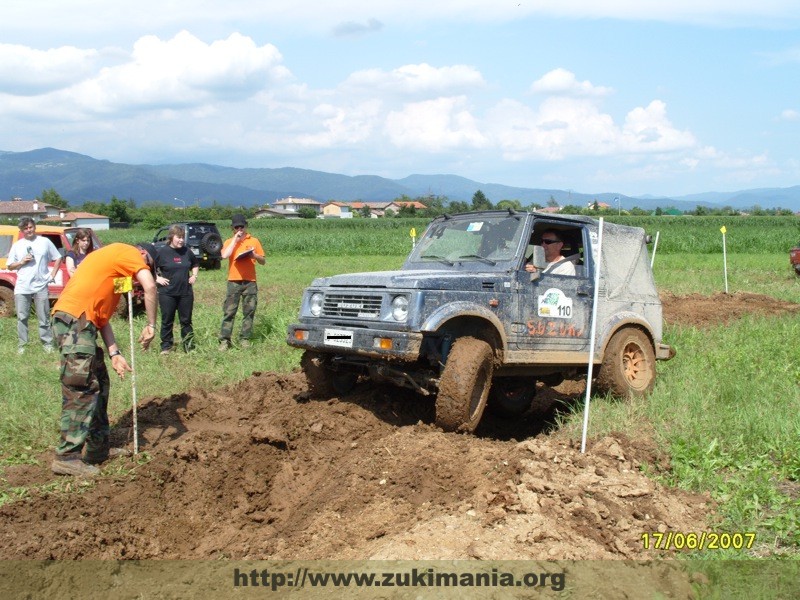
(339, 337)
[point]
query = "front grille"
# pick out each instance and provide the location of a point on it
(355, 306)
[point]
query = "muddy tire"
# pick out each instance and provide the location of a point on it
(629, 364)
(322, 381)
(511, 396)
(6, 302)
(464, 386)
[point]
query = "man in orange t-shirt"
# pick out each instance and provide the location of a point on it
(243, 251)
(85, 307)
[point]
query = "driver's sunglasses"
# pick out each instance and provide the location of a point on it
(550, 241)
(238, 227)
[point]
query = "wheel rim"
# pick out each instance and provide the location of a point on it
(635, 367)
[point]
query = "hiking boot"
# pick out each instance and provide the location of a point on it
(244, 343)
(101, 456)
(224, 345)
(73, 464)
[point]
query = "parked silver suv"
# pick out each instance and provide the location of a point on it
(464, 319)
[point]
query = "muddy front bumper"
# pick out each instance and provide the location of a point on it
(336, 339)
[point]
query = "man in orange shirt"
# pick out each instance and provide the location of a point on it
(243, 251)
(85, 307)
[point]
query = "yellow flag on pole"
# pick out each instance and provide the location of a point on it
(123, 285)
(723, 230)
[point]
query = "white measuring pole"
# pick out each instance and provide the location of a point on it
(655, 247)
(724, 257)
(598, 261)
(133, 375)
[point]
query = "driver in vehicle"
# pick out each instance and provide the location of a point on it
(556, 263)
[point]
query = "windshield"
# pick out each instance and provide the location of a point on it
(486, 239)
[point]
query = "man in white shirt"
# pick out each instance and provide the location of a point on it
(556, 264)
(29, 257)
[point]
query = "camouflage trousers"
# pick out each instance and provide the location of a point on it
(85, 386)
(247, 292)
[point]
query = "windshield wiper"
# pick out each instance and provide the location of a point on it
(488, 261)
(441, 259)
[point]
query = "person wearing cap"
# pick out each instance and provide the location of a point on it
(243, 251)
(85, 308)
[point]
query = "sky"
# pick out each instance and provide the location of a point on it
(638, 97)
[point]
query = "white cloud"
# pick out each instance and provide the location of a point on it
(790, 115)
(26, 71)
(417, 80)
(437, 125)
(181, 72)
(564, 83)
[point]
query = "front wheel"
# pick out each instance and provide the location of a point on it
(464, 385)
(629, 364)
(322, 381)
(6, 302)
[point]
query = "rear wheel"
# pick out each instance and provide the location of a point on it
(629, 364)
(511, 396)
(464, 385)
(6, 302)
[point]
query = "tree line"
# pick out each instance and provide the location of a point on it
(154, 214)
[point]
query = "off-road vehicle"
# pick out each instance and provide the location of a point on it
(464, 319)
(794, 259)
(202, 238)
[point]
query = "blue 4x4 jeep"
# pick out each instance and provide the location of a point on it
(463, 318)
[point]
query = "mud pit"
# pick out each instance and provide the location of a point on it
(260, 472)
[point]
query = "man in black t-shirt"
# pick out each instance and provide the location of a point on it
(176, 268)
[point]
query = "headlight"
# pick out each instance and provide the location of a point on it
(400, 308)
(315, 303)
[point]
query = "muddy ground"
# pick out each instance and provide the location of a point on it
(259, 471)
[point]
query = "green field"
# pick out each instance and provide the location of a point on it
(727, 409)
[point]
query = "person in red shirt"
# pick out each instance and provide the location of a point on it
(85, 308)
(243, 251)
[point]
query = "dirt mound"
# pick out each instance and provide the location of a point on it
(257, 471)
(705, 311)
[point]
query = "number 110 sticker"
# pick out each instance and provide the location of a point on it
(555, 304)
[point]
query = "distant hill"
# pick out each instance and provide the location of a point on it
(79, 178)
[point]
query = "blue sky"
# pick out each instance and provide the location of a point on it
(662, 97)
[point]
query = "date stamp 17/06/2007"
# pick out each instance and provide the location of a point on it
(703, 540)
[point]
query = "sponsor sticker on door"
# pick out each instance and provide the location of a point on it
(554, 304)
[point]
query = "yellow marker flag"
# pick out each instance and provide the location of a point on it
(413, 232)
(123, 284)
(723, 230)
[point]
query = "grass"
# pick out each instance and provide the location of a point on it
(726, 409)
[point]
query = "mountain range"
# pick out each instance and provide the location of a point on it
(79, 178)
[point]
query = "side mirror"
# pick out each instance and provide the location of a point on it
(537, 260)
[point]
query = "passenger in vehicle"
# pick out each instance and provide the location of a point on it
(552, 243)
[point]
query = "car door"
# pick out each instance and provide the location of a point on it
(556, 310)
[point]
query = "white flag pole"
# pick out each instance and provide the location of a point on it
(598, 261)
(655, 247)
(133, 375)
(724, 257)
